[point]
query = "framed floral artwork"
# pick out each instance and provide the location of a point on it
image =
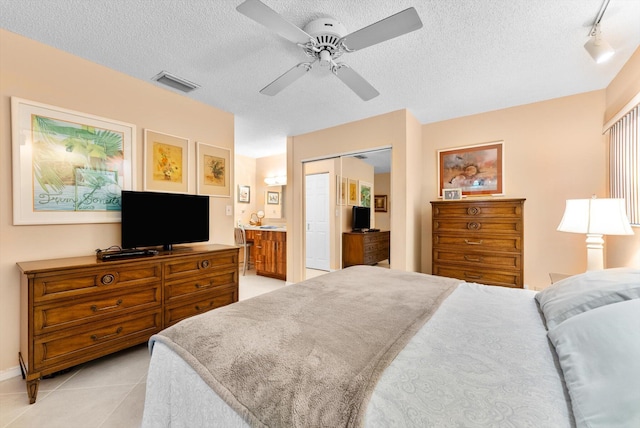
(68, 166)
(165, 162)
(475, 170)
(365, 193)
(352, 192)
(214, 170)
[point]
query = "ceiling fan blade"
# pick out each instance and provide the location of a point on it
(293, 74)
(393, 26)
(263, 14)
(356, 82)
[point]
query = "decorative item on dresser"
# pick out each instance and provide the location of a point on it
(479, 240)
(77, 309)
(366, 248)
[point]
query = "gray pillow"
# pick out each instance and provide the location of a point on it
(599, 353)
(577, 294)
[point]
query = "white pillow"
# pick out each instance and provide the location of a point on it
(580, 293)
(599, 353)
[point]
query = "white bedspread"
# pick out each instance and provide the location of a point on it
(482, 360)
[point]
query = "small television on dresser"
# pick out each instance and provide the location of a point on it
(152, 219)
(361, 219)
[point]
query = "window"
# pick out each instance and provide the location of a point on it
(624, 162)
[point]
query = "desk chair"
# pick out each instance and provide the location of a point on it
(241, 240)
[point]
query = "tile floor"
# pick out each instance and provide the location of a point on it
(104, 393)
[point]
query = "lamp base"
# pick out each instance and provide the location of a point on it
(595, 253)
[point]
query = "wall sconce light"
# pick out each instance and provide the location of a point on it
(597, 47)
(595, 217)
(276, 181)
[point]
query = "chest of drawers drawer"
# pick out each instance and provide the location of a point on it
(203, 284)
(82, 282)
(200, 303)
(188, 267)
(72, 313)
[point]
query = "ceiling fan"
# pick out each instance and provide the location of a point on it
(324, 40)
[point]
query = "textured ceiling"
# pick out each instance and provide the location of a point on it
(470, 56)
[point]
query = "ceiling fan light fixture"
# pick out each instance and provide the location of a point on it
(597, 47)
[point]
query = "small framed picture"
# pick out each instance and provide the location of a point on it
(380, 203)
(452, 194)
(273, 198)
(244, 194)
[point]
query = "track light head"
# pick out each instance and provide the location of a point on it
(597, 47)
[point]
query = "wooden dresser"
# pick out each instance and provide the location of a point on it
(269, 252)
(77, 309)
(366, 248)
(479, 240)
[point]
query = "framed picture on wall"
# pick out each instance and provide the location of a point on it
(476, 170)
(214, 170)
(353, 194)
(366, 189)
(273, 198)
(244, 194)
(165, 162)
(68, 166)
(380, 203)
(341, 190)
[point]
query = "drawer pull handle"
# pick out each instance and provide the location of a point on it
(471, 276)
(199, 308)
(473, 225)
(473, 259)
(466, 241)
(94, 308)
(107, 279)
(198, 285)
(473, 210)
(205, 264)
(96, 338)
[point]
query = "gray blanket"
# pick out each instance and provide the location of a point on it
(308, 354)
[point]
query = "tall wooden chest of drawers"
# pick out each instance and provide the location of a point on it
(479, 241)
(77, 309)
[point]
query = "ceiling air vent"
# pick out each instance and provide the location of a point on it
(175, 82)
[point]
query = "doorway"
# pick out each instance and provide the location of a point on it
(317, 210)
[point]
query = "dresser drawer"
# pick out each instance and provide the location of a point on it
(466, 241)
(486, 259)
(478, 225)
(76, 283)
(80, 344)
(482, 276)
(76, 312)
(189, 266)
(473, 209)
(221, 296)
(202, 284)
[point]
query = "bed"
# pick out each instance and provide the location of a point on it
(374, 347)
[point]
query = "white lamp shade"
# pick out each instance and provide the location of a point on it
(595, 216)
(598, 48)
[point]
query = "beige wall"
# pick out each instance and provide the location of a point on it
(388, 130)
(245, 175)
(40, 73)
(382, 186)
(623, 250)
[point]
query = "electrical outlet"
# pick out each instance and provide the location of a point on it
(229, 211)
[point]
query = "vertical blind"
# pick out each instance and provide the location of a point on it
(624, 162)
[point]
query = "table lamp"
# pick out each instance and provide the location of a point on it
(595, 217)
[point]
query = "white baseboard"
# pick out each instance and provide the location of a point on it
(9, 373)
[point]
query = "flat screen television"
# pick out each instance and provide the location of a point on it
(151, 219)
(361, 219)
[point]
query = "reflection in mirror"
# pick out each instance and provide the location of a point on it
(350, 180)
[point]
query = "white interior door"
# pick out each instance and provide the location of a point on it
(317, 221)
